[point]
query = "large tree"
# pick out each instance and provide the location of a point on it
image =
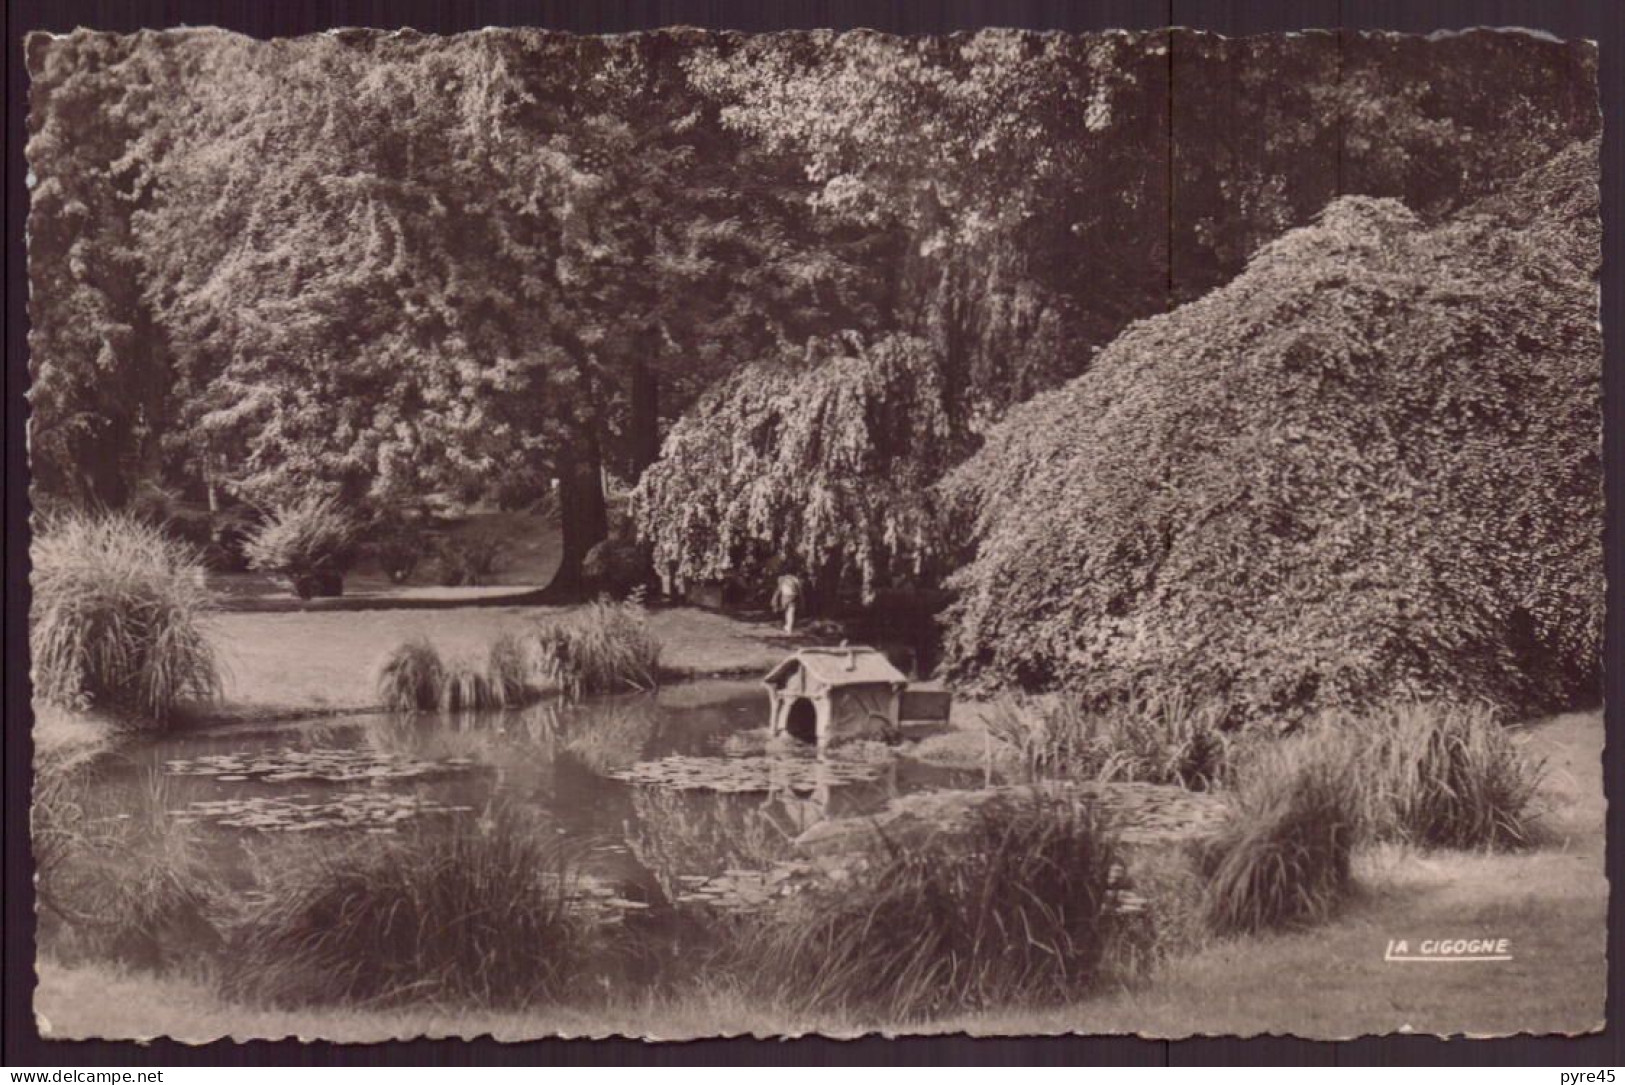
(392, 265)
(95, 360)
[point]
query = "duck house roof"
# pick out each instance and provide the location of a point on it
(835, 667)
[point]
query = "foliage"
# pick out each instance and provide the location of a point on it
(304, 542)
(479, 913)
(97, 376)
(1292, 121)
(373, 265)
(1011, 163)
(398, 548)
(1283, 855)
(621, 563)
(1368, 468)
(469, 559)
(1015, 912)
(606, 647)
(827, 465)
(1158, 739)
(465, 686)
(616, 566)
(117, 621)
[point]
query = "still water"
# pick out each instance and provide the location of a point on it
(662, 797)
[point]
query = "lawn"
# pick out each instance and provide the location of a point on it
(282, 664)
(1329, 982)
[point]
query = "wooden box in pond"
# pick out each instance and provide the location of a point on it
(832, 695)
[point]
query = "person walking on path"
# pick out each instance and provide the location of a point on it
(785, 597)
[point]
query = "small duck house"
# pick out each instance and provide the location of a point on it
(831, 695)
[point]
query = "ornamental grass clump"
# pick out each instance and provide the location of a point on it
(411, 677)
(605, 648)
(118, 618)
(414, 678)
(1283, 857)
(475, 913)
(1443, 775)
(1016, 910)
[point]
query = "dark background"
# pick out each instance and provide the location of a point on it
(1600, 20)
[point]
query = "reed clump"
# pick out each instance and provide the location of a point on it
(606, 647)
(1016, 911)
(480, 914)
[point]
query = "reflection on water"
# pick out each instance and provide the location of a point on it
(663, 792)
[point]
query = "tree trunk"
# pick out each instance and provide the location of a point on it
(583, 519)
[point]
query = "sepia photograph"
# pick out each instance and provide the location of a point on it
(699, 533)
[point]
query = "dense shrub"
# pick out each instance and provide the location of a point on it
(1014, 911)
(606, 647)
(616, 566)
(1160, 739)
(1367, 468)
(310, 543)
(398, 554)
(469, 559)
(117, 618)
(1283, 856)
(472, 913)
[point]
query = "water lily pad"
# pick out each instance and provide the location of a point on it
(328, 765)
(738, 775)
(370, 811)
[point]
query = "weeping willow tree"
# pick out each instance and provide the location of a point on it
(823, 463)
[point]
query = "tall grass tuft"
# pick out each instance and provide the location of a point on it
(1157, 738)
(480, 914)
(1283, 857)
(1443, 775)
(605, 648)
(508, 669)
(118, 618)
(411, 677)
(1016, 911)
(465, 687)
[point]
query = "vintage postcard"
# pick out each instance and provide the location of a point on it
(692, 533)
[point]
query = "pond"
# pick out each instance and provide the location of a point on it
(675, 797)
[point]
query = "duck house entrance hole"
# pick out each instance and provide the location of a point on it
(801, 721)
